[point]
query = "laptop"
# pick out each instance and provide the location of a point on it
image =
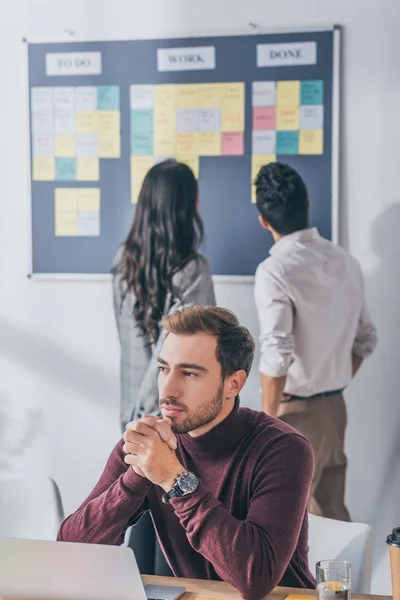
(33, 570)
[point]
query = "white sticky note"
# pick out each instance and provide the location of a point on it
(142, 97)
(264, 93)
(209, 119)
(186, 120)
(42, 121)
(264, 142)
(42, 98)
(311, 117)
(89, 224)
(87, 145)
(43, 145)
(64, 122)
(73, 63)
(86, 98)
(64, 98)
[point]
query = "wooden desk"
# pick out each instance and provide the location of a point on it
(197, 589)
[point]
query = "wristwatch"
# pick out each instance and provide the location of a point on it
(186, 483)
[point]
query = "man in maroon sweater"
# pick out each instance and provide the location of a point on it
(227, 487)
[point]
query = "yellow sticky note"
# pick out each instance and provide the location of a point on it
(65, 146)
(109, 146)
(210, 95)
(232, 106)
(88, 199)
(287, 118)
(86, 121)
(108, 122)
(66, 224)
(288, 93)
(87, 169)
(186, 144)
(164, 109)
(66, 200)
(209, 143)
(140, 165)
(311, 142)
(186, 95)
(164, 141)
(258, 161)
(44, 169)
(192, 162)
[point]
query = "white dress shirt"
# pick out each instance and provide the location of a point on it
(310, 300)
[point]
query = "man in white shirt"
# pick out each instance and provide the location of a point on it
(315, 330)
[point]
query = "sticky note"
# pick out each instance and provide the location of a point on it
(86, 121)
(258, 161)
(209, 95)
(86, 98)
(109, 146)
(139, 168)
(288, 93)
(287, 118)
(311, 142)
(65, 122)
(42, 122)
(87, 145)
(209, 143)
(233, 143)
(233, 107)
(164, 109)
(142, 144)
(186, 120)
(108, 121)
(66, 224)
(264, 117)
(312, 92)
(108, 97)
(287, 142)
(43, 145)
(64, 98)
(192, 162)
(142, 97)
(209, 119)
(312, 117)
(66, 169)
(88, 200)
(42, 98)
(66, 200)
(164, 141)
(89, 224)
(264, 93)
(186, 144)
(65, 146)
(44, 169)
(87, 169)
(264, 142)
(186, 95)
(141, 122)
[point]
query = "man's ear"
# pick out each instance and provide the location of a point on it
(234, 384)
(264, 223)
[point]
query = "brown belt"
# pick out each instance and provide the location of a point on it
(291, 398)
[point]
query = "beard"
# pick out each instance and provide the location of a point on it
(200, 416)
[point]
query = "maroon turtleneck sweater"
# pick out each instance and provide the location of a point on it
(245, 524)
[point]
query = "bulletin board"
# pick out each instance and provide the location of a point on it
(103, 113)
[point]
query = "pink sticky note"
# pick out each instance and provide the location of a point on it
(264, 117)
(232, 143)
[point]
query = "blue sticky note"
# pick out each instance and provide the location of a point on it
(108, 97)
(287, 142)
(141, 122)
(142, 144)
(66, 169)
(312, 92)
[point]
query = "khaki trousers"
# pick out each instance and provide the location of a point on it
(323, 422)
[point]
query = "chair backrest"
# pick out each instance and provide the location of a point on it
(330, 539)
(30, 508)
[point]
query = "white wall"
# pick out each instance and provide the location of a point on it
(58, 346)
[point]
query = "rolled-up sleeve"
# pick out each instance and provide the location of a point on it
(366, 337)
(275, 314)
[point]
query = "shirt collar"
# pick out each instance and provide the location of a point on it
(302, 236)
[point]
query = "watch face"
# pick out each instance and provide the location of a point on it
(188, 483)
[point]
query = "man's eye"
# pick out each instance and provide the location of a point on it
(162, 369)
(189, 374)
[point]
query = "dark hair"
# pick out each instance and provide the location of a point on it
(235, 344)
(165, 235)
(282, 198)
